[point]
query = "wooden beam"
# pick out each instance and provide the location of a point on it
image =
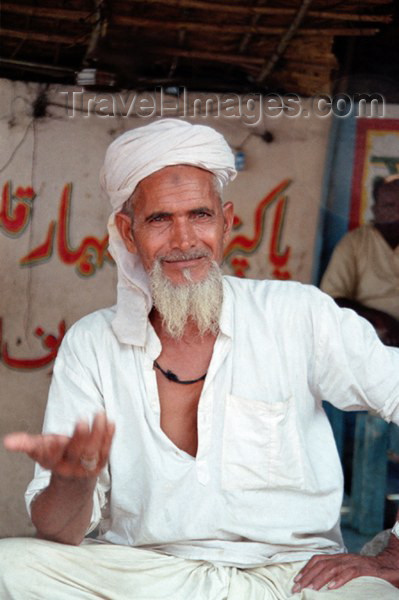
(45, 13)
(208, 56)
(42, 37)
(238, 59)
(268, 10)
(223, 28)
(70, 40)
(34, 66)
(76, 15)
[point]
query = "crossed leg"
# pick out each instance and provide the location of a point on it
(32, 569)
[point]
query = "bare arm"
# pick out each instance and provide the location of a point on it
(62, 511)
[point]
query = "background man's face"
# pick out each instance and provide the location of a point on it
(386, 207)
(178, 219)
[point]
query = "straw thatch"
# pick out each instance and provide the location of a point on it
(222, 45)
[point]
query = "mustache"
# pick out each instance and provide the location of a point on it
(178, 255)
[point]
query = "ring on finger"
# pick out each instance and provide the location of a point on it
(89, 463)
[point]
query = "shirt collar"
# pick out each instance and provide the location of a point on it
(226, 315)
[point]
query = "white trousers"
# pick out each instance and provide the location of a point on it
(32, 569)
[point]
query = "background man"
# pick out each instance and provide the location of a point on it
(363, 273)
(222, 479)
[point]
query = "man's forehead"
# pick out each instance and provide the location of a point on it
(175, 173)
(183, 185)
(176, 179)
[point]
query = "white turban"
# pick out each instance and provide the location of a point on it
(130, 158)
(140, 152)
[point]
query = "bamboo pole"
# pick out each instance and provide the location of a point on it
(293, 29)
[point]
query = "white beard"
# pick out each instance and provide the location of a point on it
(201, 301)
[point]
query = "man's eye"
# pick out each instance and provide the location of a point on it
(201, 214)
(158, 219)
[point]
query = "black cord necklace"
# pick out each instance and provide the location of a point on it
(173, 377)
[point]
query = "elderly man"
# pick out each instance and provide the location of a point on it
(208, 464)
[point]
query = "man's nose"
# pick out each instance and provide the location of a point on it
(183, 235)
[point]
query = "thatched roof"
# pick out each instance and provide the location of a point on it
(240, 45)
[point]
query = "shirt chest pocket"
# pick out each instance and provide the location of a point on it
(261, 446)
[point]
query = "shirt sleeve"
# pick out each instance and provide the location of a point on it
(353, 369)
(74, 394)
(340, 277)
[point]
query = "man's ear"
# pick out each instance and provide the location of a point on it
(228, 216)
(124, 225)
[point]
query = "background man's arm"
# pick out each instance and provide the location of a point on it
(340, 281)
(62, 511)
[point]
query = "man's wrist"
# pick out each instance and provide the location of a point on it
(82, 484)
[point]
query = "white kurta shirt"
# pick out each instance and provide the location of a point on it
(266, 484)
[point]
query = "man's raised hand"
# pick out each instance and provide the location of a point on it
(82, 455)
